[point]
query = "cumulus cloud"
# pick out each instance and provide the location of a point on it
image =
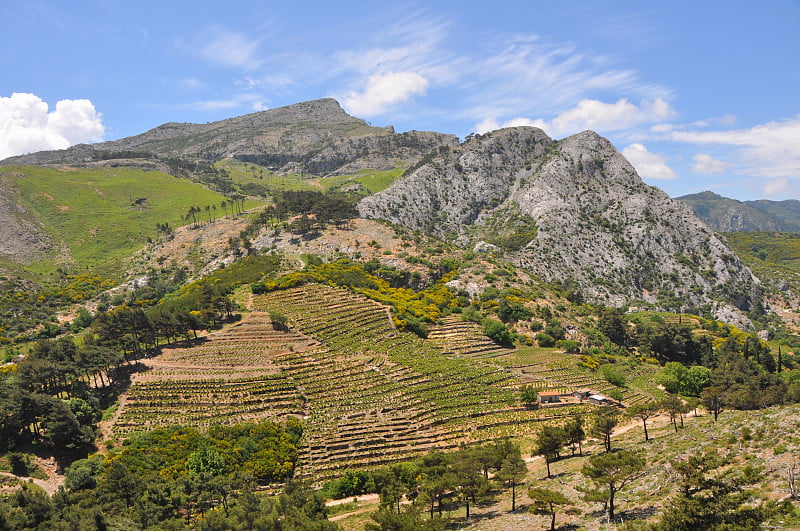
(592, 114)
(383, 91)
(770, 150)
(705, 163)
(27, 125)
(649, 165)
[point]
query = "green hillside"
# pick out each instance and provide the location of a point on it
(774, 257)
(103, 215)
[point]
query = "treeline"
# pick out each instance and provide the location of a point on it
(435, 483)
(52, 395)
(725, 367)
(178, 477)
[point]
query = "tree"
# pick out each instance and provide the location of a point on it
(611, 322)
(612, 471)
(674, 406)
(513, 311)
(575, 433)
(529, 395)
(606, 419)
(468, 479)
(512, 472)
(643, 411)
(497, 332)
(547, 502)
(712, 398)
(711, 495)
(279, 321)
(548, 444)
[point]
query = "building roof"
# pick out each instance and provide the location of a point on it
(549, 393)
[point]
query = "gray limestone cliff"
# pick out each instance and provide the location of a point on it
(578, 211)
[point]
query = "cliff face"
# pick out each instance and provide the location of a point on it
(595, 221)
(316, 137)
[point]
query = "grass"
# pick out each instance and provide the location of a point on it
(254, 178)
(257, 180)
(103, 215)
(770, 255)
(372, 181)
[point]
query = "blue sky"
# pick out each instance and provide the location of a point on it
(699, 95)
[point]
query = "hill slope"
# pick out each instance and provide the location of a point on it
(580, 212)
(89, 218)
(729, 215)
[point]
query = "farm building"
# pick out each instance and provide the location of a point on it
(583, 394)
(549, 397)
(600, 400)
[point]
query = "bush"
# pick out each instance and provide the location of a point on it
(569, 345)
(412, 324)
(612, 375)
(545, 340)
(498, 332)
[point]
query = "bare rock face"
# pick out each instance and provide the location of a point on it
(22, 240)
(596, 222)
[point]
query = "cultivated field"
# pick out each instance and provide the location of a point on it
(368, 393)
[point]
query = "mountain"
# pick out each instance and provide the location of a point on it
(578, 213)
(315, 137)
(572, 211)
(729, 215)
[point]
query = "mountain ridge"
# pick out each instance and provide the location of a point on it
(316, 137)
(597, 223)
(724, 214)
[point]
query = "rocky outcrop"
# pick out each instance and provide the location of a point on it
(315, 137)
(21, 240)
(596, 222)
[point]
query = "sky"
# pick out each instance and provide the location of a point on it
(700, 95)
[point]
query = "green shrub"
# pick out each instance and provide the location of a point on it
(569, 345)
(612, 375)
(498, 332)
(545, 340)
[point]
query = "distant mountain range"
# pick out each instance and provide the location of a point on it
(729, 215)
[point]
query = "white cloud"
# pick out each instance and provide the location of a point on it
(490, 124)
(705, 163)
(26, 125)
(769, 150)
(229, 48)
(246, 99)
(527, 75)
(603, 117)
(383, 91)
(594, 115)
(776, 187)
(649, 165)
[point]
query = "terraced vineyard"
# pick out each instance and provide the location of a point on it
(465, 338)
(368, 393)
(545, 369)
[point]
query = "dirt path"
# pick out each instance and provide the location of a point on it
(54, 480)
(366, 498)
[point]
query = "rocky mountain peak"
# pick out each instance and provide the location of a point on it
(589, 219)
